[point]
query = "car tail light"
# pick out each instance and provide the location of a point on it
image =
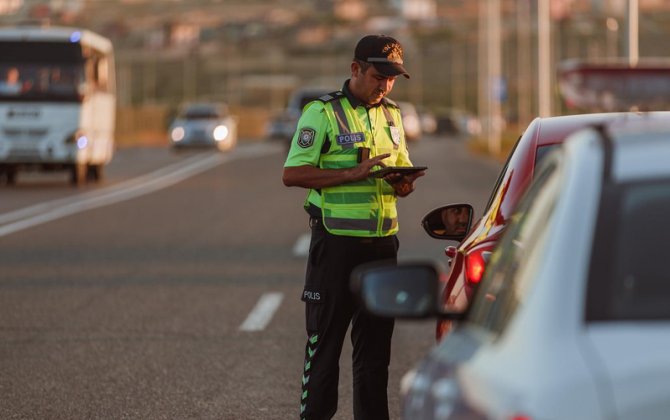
(474, 267)
(475, 264)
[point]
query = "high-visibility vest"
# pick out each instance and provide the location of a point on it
(365, 208)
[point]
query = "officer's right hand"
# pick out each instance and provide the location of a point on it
(364, 168)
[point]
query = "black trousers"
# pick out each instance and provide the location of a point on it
(329, 308)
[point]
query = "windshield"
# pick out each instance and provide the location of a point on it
(201, 113)
(542, 152)
(40, 71)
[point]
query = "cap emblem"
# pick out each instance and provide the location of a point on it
(393, 53)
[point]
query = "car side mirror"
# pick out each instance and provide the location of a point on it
(408, 290)
(449, 222)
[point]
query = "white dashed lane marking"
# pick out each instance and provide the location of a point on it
(301, 247)
(263, 312)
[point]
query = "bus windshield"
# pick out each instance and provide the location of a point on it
(39, 71)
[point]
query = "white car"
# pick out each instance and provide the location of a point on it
(411, 122)
(204, 125)
(572, 317)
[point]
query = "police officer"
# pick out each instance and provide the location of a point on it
(340, 139)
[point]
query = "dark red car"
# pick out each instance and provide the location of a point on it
(468, 260)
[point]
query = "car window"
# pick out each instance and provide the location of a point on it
(635, 283)
(201, 113)
(509, 275)
(542, 151)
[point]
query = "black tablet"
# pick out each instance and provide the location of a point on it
(404, 170)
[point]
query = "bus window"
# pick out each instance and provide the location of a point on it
(11, 82)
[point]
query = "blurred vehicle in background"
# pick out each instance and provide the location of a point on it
(572, 318)
(456, 122)
(282, 127)
(428, 122)
(204, 125)
(57, 102)
(410, 121)
(469, 259)
(615, 84)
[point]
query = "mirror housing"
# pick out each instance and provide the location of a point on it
(451, 222)
(408, 290)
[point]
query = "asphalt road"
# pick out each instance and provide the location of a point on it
(132, 299)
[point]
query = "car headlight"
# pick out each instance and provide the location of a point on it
(78, 139)
(82, 142)
(220, 133)
(177, 134)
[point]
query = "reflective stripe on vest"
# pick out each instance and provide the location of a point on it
(363, 225)
(363, 208)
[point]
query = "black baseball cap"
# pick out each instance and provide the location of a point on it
(382, 51)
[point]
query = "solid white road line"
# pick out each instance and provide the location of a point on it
(78, 204)
(48, 205)
(262, 313)
(154, 181)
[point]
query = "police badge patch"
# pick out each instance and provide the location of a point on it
(306, 137)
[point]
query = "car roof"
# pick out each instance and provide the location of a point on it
(203, 105)
(521, 165)
(641, 146)
(551, 130)
(642, 122)
(215, 107)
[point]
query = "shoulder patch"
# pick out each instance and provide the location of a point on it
(306, 137)
(331, 96)
(388, 101)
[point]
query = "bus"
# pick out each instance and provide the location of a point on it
(57, 102)
(607, 85)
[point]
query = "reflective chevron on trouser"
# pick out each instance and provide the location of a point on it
(309, 354)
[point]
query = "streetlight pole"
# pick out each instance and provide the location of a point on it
(544, 58)
(490, 75)
(495, 79)
(524, 61)
(632, 29)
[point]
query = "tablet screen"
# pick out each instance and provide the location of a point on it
(397, 169)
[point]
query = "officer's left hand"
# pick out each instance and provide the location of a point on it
(403, 184)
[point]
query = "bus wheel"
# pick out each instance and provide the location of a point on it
(94, 173)
(78, 174)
